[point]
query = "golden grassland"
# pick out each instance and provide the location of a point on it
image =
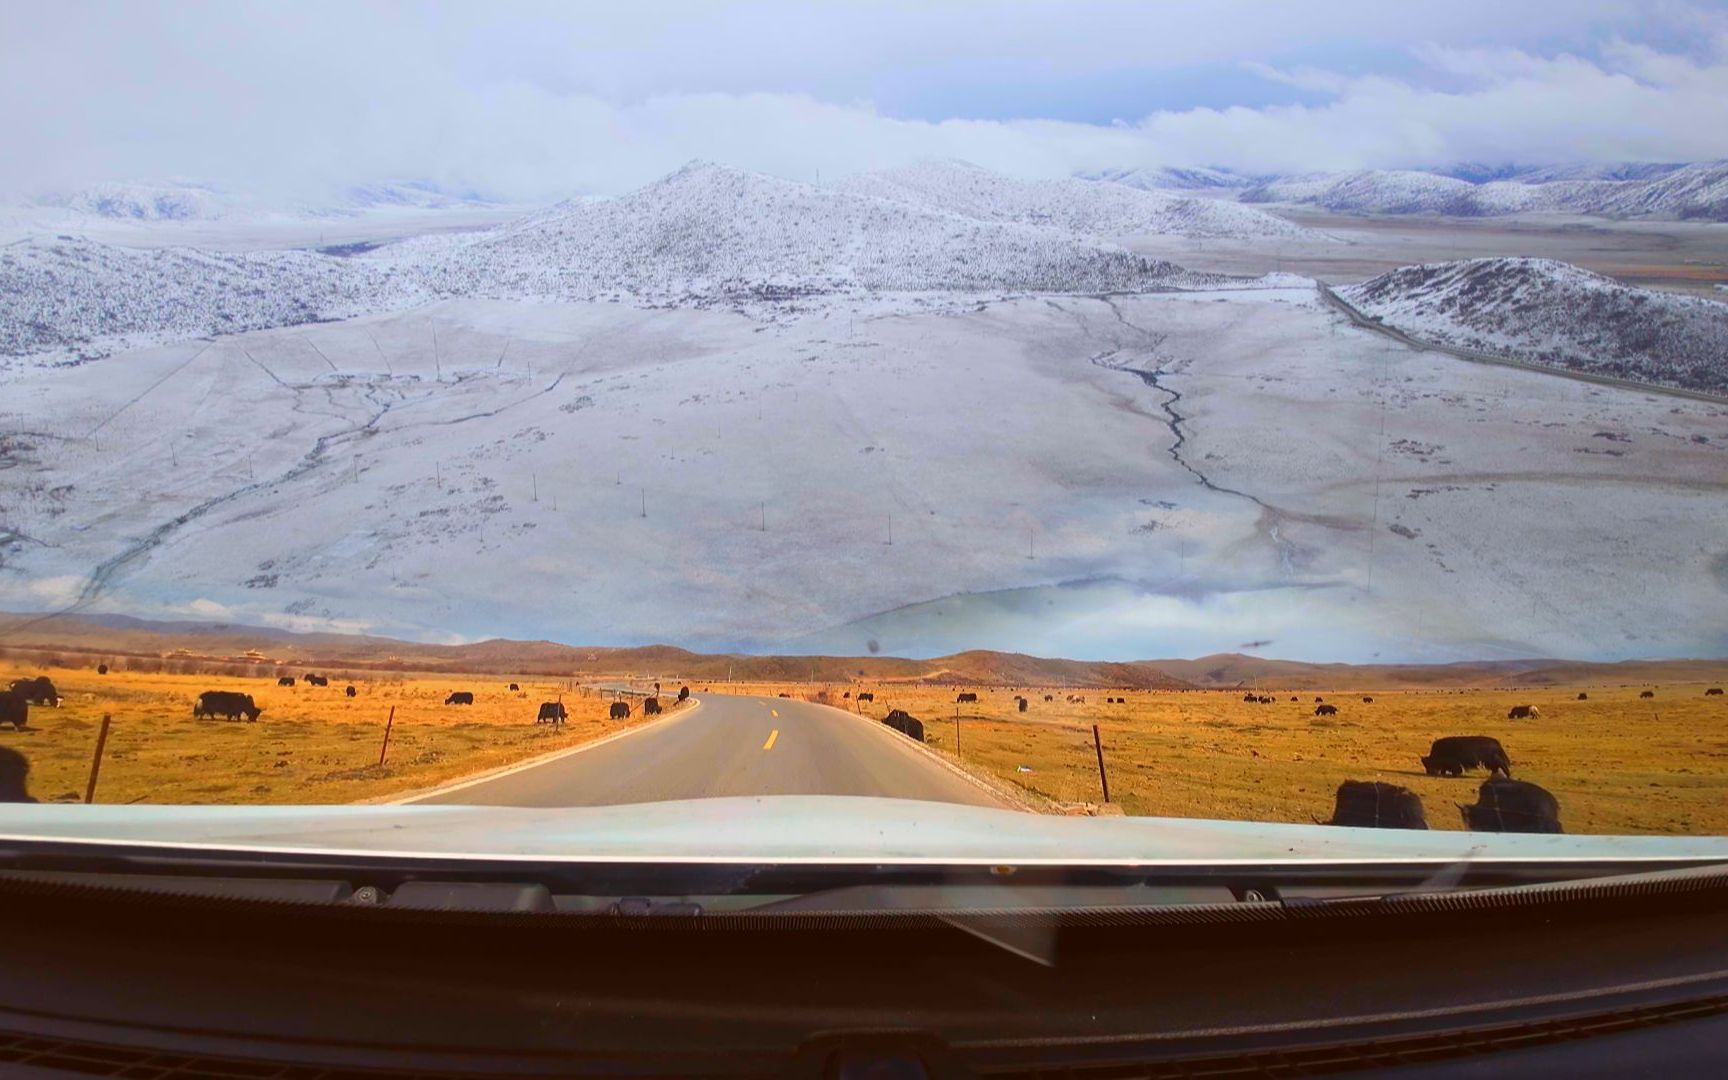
(1617, 763)
(311, 745)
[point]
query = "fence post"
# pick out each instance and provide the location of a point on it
(382, 750)
(956, 731)
(96, 761)
(1098, 745)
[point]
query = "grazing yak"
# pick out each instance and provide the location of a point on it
(226, 703)
(1582, 696)
(1367, 700)
(1049, 697)
(966, 699)
(1647, 694)
(906, 724)
(1020, 704)
(101, 669)
(1370, 804)
(1318, 700)
(1325, 710)
(684, 693)
(37, 691)
(513, 686)
(1512, 806)
(619, 711)
(460, 697)
(552, 712)
(350, 691)
(1451, 755)
(285, 680)
(866, 696)
(1714, 691)
(14, 709)
(651, 706)
(317, 680)
(1524, 712)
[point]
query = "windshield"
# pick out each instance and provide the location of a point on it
(1298, 419)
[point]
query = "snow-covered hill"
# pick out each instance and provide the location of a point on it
(1697, 191)
(1173, 178)
(705, 236)
(1083, 206)
(1555, 313)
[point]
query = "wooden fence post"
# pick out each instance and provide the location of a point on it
(1098, 745)
(96, 761)
(382, 750)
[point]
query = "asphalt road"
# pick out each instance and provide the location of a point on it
(732, 745)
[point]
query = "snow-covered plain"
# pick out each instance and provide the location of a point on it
(483, 467)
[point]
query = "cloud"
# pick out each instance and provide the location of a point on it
(541, 101)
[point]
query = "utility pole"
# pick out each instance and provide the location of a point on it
(535, 480)
(437, 367)
(644, 502)
(764, 509)
(890, 530)
(1098, 745)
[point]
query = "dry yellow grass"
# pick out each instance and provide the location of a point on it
(312, 744)
(1617, 763)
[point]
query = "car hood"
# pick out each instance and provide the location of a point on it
(798, 828)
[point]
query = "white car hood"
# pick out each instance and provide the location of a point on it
(798, 828)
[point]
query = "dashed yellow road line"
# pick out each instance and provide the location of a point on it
(772, 735)
(774, 712)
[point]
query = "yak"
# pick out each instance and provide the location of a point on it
(1451, 755)
(1512, 806)
(460, 697)
(906, 724)
(37, 691)
(1371, 804)
(551, 712)
(226, 703)
(14, 709)
(620, 710)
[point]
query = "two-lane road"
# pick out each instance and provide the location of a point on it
(728, 745)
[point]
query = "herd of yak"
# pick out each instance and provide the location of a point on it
(1502, 803)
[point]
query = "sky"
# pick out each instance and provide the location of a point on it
(526, 101)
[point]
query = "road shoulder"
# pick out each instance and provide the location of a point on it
(488, 775)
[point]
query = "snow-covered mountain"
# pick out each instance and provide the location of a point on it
(1076, 205)
(1555, 313)
(82, 297)
(708, 231)
(149, 201)
(1698, 191)
(703, 236)
(1173, 178)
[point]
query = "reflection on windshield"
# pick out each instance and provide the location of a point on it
(736, 438)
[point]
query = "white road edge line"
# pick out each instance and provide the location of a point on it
(1006, 800)
(533, 763)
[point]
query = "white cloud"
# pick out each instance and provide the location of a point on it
(543, 101)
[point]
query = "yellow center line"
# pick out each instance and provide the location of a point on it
(772, 735)
(773, 712)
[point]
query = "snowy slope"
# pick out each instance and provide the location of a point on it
(88, 298)
(1692, 191)
(1173, 178)
(1083, 206)
(703, 236)
(1556, 313)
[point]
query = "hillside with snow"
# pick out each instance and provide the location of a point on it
(1554, 313)
(705, 236)
(1091, 207)
(1172, 178)
(1690, 192)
